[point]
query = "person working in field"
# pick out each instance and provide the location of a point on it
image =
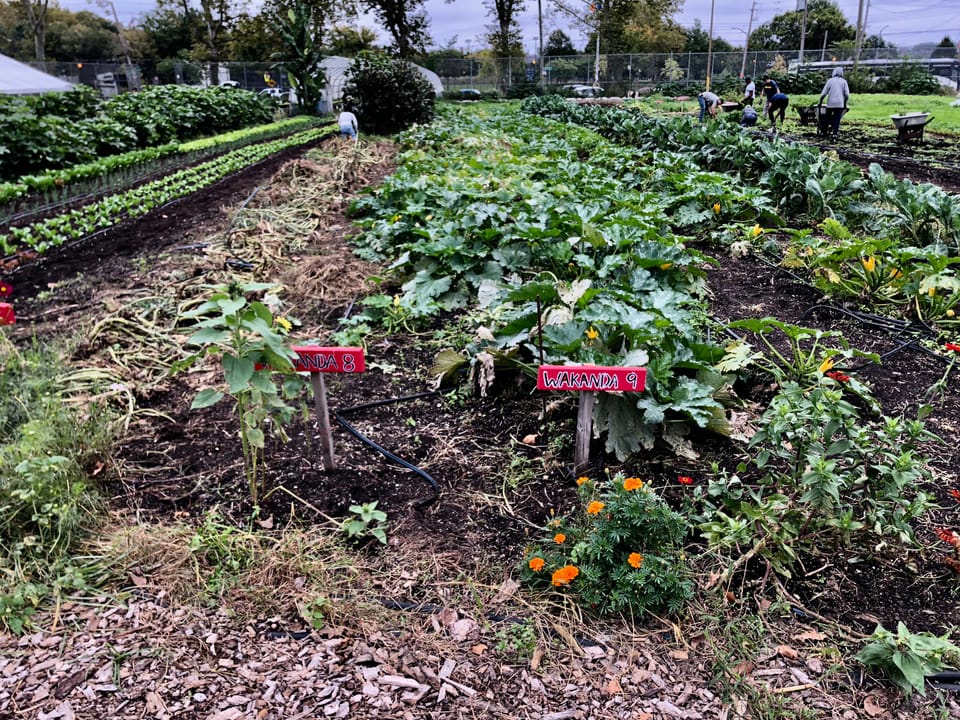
(769, 88)
(749, 116)
(837, 93)
(777, 104)
(709, 102)
(750, 91)
(348, 124)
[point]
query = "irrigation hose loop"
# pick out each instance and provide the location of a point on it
(340, 418)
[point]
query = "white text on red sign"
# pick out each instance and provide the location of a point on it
(591, 378)
(312, 358)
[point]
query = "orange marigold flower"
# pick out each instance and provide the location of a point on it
(595, 507)
(635, 560)
(582, 480)
(536, 564)
(565, 575)
(559, 538)
(632, 484)
(685, 480)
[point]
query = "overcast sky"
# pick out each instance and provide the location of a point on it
(902, 23)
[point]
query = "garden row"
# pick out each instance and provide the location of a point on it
(80, 223)
(45, 191)
(558, 244)
(892, 243)
(59, 130)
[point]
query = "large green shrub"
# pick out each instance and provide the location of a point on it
(387, 95)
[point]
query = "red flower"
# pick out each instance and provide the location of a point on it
(838, 376)
(954, 493)
(685, 480)
(949, 537)
(955, 347)
(5, 289)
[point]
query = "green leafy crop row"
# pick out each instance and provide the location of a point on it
(105, 213)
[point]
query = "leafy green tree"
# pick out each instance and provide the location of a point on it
(36, 13)
(783, 31)
(80, 36)
(409, 101)
(406, 21)
(559, 45)
(171, 30)
(253, 39)
(698, 41)
(946, 48)
(344, 40)
(504, 36)
(301, 30)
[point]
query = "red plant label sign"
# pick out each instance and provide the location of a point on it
(312, 358)
(591, 378)
(6, 314)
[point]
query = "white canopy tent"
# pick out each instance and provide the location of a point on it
(17, 78)
(335, 68)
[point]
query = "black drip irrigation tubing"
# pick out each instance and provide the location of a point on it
(340, 416)
(892, 326)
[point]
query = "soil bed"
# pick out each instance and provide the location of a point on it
(501, 469)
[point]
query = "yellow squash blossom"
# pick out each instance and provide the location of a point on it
(757, 230)
(666, 266)
(716, 208)
(932, 291)
(592, 333)
(869, 264)
(826, 365)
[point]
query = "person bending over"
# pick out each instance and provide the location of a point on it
(709, 102)
(777, 104)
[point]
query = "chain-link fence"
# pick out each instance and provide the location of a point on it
(616, 74)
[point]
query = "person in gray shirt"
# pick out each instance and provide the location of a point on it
(837, 93)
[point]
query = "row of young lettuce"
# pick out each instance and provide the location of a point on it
(570, 233)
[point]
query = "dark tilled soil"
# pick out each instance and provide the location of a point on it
(498, 465)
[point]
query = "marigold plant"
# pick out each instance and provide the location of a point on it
(621, 551)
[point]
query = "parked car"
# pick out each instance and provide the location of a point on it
(584, 91)
(469, 94)
(276, 93)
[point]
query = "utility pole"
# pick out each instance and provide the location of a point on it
(803, 32)
(540, 67)
(856, 57)
(710, 46)
(746, 43)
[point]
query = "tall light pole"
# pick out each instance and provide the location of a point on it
(540, 66)
(710, 46)
(856, 57)
(803, 32)
(746, 42)
(133, 79)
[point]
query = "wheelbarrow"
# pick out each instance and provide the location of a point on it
(823, 120)
(910, 125)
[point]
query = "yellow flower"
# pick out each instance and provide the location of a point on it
(635, 560)
(716, 208)
(396, 301)
(565, 575)
(559, 538)
(757, 230)
(869, 264)
(595, 507)
(582, 480)
(666, 266)
(951, 313)
(284, 323)
(826, 365)
(394, 218)
(895, 273)
(592, 333)
(932, 291)
(632, 484)
(536, 564)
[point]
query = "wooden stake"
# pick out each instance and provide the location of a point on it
(581, 457)
(323, 418)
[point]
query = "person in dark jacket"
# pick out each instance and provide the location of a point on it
(777, 104)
